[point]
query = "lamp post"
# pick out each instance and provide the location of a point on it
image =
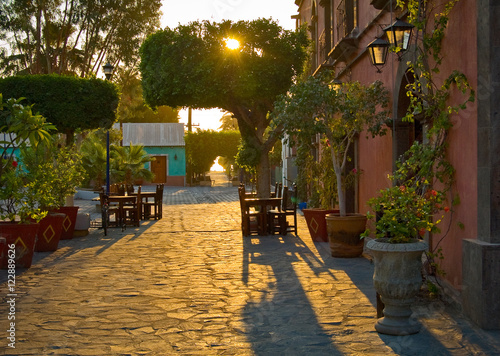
(108, 72)
(378, 50)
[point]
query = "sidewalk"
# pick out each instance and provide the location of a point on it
(189, 284)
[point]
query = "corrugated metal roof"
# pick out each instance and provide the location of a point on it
(153, 134)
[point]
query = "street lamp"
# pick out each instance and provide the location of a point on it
(378, 50)
(108, 72)
(399, 35)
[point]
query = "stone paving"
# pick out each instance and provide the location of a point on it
(190, 284)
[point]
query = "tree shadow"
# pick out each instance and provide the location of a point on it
(282, 319)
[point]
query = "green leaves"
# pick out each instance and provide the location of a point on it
(69, 103)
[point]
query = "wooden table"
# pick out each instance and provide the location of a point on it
(262, 204)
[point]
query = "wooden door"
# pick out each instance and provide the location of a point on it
(159, 168)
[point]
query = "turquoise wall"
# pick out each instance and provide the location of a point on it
(175, 167)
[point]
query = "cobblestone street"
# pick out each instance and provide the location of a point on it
(189, 284)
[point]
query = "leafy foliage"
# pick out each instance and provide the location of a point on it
(53, 171)
(132, 107)
(20, 200)
(314, 106)
(69, 103)
(128, 163)
(424, 177)
(204, 146)
(74, 36)
(191, 66)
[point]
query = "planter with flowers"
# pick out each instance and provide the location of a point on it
(19, 208)
(417, 202)
(340, 114)
(406, 212)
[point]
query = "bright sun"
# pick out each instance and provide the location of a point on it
(232, 43)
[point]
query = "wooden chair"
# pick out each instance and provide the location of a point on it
(277, 218)
(154, 209)
(251, 220)
(107, 211)
(277, 190)
(129, 189)
(132, 211)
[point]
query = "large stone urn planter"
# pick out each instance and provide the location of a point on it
(344, 234)
(397, 278)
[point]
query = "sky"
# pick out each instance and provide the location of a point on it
(177, 12)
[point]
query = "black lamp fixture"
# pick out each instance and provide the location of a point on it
(378, 50)
(399, 35)
(108, 70)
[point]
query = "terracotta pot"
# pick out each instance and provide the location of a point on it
(23, 236)
(69, 221)
(316, 223)
(343, 234)
(49, 232)
(397, 278)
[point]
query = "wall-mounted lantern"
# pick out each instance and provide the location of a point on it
(378, 50)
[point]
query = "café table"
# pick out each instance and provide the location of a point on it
(262, 204)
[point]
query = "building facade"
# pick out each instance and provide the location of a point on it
(165, 143)
(341, 30)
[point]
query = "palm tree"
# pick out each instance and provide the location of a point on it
(129, 164)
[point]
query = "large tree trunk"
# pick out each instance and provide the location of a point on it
(263, 176)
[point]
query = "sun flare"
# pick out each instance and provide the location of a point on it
(232, 43)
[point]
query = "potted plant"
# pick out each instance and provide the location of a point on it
(417, 202)
(69, 175)
(313, 107)
(316, 186)
(19, 210)
(52, 171)
(405, 213)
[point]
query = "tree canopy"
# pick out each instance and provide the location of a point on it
(69, 103)
(73, 36)
(132, 107)
(204, 146)
(191, 66)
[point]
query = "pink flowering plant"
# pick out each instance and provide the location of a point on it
(413, 206)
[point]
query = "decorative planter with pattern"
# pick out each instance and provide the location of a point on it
(23, 236)
(49, 232)
(316, 223)
(397, 278)
(69, 221)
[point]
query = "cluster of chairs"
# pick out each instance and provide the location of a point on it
(277, 221)
(125, 206)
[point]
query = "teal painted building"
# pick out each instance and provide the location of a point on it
(165, 143)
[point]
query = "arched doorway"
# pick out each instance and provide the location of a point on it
(405, 133)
